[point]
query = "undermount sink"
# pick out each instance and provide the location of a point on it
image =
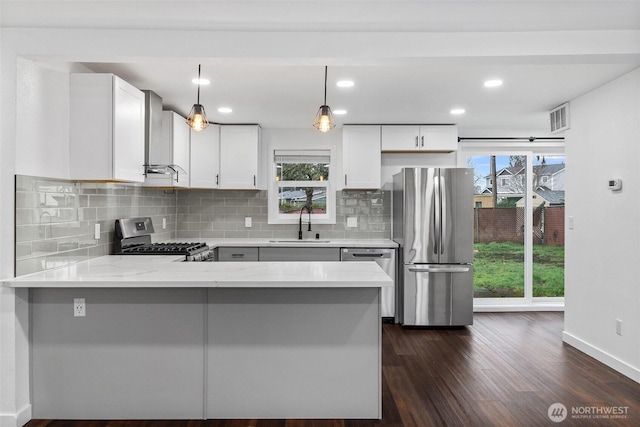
(300, 241)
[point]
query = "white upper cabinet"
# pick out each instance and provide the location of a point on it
(106, 135)
(205, 157)
(239, 157)
(172, 150)
(437, 138)
(440, 137)
(226, 157)
(361, 158)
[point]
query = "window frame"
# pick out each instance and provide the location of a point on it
(274, 215)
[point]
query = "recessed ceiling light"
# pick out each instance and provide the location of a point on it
(201, 81)
(225, 110)
(458, 111)
(493, 83)
(344, 83)
(339, 112)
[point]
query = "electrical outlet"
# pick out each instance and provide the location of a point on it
(619, 327)
(96, 231)
(79, 307)
(352, 221)
(247, 221)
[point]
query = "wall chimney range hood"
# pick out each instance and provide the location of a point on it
(159, 169)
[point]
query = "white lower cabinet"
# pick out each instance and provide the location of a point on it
(361, 157)
(106, 132)
(226, 157)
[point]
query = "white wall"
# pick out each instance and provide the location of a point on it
(603, 249)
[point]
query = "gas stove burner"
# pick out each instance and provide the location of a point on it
(164, 248)
(133, 237)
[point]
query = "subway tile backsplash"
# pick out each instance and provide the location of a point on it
(55, 219)
(221, 214)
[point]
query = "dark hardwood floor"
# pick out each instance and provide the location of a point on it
(505, 370)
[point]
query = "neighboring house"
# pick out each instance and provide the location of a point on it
(484, 200)
(511, 183)
(550, 176)
(545, 195)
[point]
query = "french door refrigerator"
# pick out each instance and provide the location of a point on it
(433, 224)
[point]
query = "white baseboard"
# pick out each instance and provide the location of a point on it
(16, 420)
(485, 308)
(602, 356)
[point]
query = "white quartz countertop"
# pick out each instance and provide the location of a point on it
(290, 242)
(149, 271)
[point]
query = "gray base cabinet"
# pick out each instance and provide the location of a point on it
(237, 254)
(293, 353)
(299, 254)
(138, 353)
(185, 353)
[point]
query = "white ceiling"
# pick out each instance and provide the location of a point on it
(558, 51)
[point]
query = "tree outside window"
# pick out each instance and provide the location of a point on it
(302, 178)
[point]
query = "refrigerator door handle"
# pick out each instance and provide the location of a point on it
(443, 211)
(456, 269)
(438, 213)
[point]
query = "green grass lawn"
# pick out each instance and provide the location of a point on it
(499, 270)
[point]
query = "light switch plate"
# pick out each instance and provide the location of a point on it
(96, 231)
(352, 221)
(247, 221)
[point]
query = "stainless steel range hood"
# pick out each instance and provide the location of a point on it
(152, 125)
(159, 172)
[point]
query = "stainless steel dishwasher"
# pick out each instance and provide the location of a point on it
(386, 259)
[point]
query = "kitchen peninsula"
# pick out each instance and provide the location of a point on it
(163, 339)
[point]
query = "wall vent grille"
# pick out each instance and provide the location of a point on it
(559, 118)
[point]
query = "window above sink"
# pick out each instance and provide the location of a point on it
(300, 178)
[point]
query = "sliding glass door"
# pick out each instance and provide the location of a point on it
(499, 224)
(548, 226)
(518, 225)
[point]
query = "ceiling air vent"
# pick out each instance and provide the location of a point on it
(559, 118)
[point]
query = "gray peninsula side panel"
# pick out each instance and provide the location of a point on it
(138, 353)
(294, 353)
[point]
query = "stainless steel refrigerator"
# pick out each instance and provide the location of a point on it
(433, 224)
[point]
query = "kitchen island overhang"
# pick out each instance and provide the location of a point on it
(171, 340)
(167, 271)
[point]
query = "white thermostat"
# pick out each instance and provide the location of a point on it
(615, 184)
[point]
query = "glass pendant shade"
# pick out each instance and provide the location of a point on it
(197, 119)
(324, 119)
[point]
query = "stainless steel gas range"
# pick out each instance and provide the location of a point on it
(133, 237)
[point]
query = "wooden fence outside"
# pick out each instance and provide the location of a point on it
(507, 225)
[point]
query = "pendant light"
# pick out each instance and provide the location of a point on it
(324, 118)
(197, 119)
